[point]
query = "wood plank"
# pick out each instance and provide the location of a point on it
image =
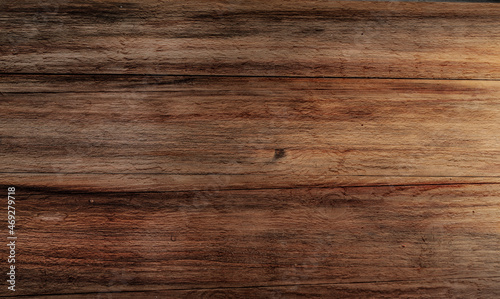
(247, 132)
(439, 240)
(272, 38)
(459, 288)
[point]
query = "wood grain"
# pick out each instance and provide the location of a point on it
(250, 149)
(291, 130)
(272, 38)
(316, 238)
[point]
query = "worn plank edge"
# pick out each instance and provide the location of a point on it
(134, 184)
(63, 191)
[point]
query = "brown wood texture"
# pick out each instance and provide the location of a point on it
(291, 128)
(248, 238)
(250, 149)
(304, 38)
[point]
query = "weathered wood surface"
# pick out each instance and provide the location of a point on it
(191, 149)
(279, 38)
(298, 130)
(81, 243)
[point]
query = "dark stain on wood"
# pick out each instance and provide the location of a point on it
(279, 153)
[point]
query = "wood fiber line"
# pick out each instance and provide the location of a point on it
(259, 132)
(33, 183)
(294, 38)
(434, 240)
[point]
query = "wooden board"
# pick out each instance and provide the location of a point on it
(260, 238)
(277, 38)
(248, 149)
(302, 130)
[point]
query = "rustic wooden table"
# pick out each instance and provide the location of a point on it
(247, 149)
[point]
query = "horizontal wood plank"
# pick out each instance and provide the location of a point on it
(253, 132)
(272, 38)
(356, 236)
(453, 288)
